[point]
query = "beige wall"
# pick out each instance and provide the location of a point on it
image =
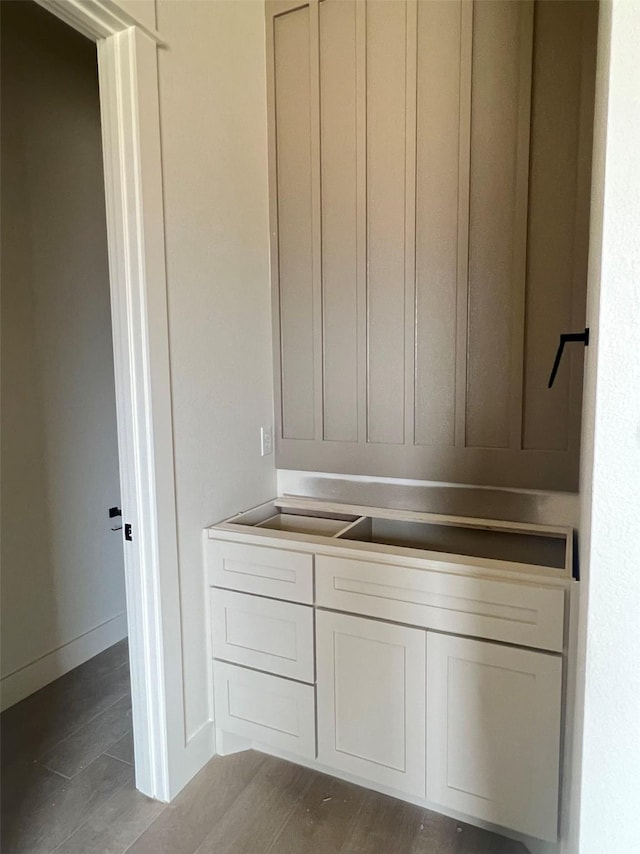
(606, 773)
(214, 152)
(62, 567)
(143, 10)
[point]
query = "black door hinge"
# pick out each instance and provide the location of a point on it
(128, 535)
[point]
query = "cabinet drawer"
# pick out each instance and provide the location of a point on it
(517, 613)
(263, 633)
(279, 573)
(267, 709)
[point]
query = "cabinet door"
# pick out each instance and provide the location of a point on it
(493, 732)
(371, 700)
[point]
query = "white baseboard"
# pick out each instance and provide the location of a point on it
(31, 677)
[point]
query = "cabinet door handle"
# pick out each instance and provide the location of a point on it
(567, 338)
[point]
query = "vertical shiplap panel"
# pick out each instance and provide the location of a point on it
(338, 151)
(519, 275)
(361, 215)
(386, 105)
(464, 169)
(493, 220)
(411, 84)
(553, 211)
(437, 183)
(295, 221)
(316, 217)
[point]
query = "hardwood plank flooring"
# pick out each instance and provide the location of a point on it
(55, 771)
(185, 823)
(384, 824)
(112, 828)
(100, 734)
(68, 788)
(322, 818)
(260, 811)
(122, 749)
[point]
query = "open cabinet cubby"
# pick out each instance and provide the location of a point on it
(275, 518)
(485, 540)
(472, 542)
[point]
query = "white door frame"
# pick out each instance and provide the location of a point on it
(128, 78)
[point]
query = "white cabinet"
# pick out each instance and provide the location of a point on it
(381, 654)
(524, 614)
(275, 572)
(371, 700)
(271, 711)
(263, 633)
(493, 732)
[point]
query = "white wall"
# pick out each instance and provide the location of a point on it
(606, 785)
(214, 152)
(62, 567)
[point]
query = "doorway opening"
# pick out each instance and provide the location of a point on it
(65, 669)
(129, 120)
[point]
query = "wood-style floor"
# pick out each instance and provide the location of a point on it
(67, 786)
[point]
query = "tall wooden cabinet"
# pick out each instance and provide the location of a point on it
(429, 166)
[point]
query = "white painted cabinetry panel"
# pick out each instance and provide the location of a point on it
(279, 573)
(524, 614)
(424, 685)
(272, 711)
(263, 633)
(371, 700)
(493, 732)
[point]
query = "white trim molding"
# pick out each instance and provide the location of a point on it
(31, 677)
(165, 759)
(97, 19)
(127, 67)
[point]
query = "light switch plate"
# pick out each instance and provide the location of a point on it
(266, 440)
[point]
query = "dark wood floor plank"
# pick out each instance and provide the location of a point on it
(45, 808)
(439, 834)
(384, 825)
(185, 823)
(76, 752)
(322, 819)
(114, 826)
(25, 793)
(122, 749)
(37, 724)
(260, 811)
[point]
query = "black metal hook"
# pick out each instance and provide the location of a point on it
(567, 338)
